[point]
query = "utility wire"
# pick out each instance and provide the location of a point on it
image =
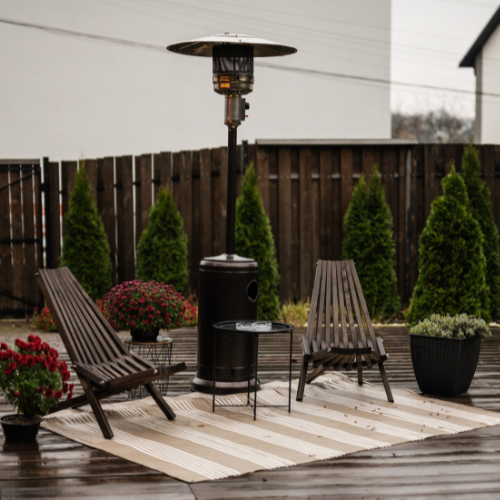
(131, 43)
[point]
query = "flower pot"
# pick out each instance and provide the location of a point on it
(146, 336)
(18, 430)
(444, 366)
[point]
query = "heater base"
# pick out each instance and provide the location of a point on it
(222, 388)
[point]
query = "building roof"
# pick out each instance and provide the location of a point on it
(469, 61)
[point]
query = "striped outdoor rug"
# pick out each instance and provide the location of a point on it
(337, 417)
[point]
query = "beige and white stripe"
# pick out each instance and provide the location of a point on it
(337, 417)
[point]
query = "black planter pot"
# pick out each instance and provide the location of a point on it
(149, 336)
(444, 366)
(14, 432)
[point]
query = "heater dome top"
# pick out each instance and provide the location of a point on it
(203, 46)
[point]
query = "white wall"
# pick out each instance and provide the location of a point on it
(66, 97)
(488, 81)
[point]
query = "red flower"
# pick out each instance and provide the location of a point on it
(70, 395)
(17, 394)
(58, 394)
(3, 346)
(13, 366)
(65, 387)
(40, 389)
(48, 392)
(66, 376)
(7, 371)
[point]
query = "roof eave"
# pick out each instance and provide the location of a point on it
(469, 60)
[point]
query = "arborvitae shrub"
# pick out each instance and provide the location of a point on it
(480, 207)
(162, 249)
(85, 247)
(254, 239)
(451, 265)
(369, 242)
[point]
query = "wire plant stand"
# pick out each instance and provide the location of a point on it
(159, 353)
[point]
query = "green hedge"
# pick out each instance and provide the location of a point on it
(480, 207)
(451, 264)
(85, 247)
(254, 239)
(369, 242)
(162, 249)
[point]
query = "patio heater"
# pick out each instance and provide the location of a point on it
(228, 287)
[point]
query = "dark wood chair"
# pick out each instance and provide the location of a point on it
(337, 291)
(100, 359)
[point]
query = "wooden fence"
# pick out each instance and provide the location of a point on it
(306, 187)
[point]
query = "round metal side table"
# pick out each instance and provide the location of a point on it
(159, 353)
(273, 329)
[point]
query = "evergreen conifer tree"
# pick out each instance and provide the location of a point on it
(85, 247)
(480, 207)
(254, 239)
(162, 249)
(452, 265)
(370, 244)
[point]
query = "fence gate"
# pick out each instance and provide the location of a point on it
(21, 235)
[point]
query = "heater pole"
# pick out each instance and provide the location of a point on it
(231, 190)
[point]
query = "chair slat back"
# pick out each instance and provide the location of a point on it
(338, 301)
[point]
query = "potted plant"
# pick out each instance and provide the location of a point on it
(445, 352)
(33, 380)
(143, 308)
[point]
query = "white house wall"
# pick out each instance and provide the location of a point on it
(488, 80)
(67, 97)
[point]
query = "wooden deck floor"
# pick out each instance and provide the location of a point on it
(461, 466)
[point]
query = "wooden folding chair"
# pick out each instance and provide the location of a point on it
(337, 291)
(100, 359)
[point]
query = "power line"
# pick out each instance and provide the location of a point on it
(131, 43)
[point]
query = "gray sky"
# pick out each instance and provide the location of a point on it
(429, 37)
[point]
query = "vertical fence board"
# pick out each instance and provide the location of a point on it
(273, 197)
(400, 223)
(17, 233)
(295, 243)
(138, 199)
(146, 177)
(185, 203)
(262, 171)
(346, 181)
(196, 223)
(124, 215)
(219, 200)
(165, 170)
(285, 221)
(306, 264)
(38, 231)
(68, 173)
(496, 205)
(5, 249)
(338, 222)
(430, 156)
(156, 176)
(91, 169)
(54, 211)
(416, 217)
(205, 191)
(489, 169)
(315, 209)
(105, 204)
(326, 201)
(367, 162)
(30, 264)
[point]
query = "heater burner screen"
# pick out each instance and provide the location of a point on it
(233, 60)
